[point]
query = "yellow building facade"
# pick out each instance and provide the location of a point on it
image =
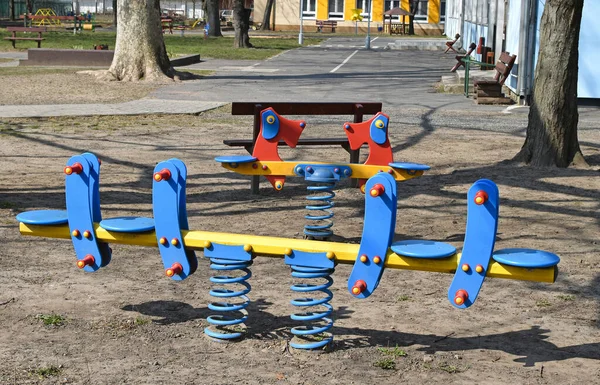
(287, 14)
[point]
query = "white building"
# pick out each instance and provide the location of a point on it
(514, 26)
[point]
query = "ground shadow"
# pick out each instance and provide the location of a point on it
(530, 345)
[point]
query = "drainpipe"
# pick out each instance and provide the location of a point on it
(492, 12)
(523, 54)
(462, 22)
(531, 51)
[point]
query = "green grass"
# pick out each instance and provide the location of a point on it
(450, 368)
(403, 298)
(543, 303)
(566, 297)
(386, 363)
(396, 352)
(52, 319)
(176, 45)
(50, 371)
(139, 321)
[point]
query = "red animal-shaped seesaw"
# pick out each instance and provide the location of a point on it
(274, 128)
(373, 133)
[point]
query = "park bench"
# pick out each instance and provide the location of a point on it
(398, 29)
(357, 110)
(167, 24)
(450, 44)
(326, 23)
(490, 91)
(14, 37)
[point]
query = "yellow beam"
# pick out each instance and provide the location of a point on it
(276, 247)
(359, 171)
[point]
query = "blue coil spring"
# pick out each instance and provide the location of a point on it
(230, 325)
(317, 335)
(321, 200)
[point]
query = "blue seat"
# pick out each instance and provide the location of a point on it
(128, 224)
(410, 166)
(528, 258)
(420, 248)
(43, 217)
(236, 159)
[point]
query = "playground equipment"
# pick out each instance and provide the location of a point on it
(46, 16)
(322, 178)
(308, 259)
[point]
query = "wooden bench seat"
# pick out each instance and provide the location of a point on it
(326, 23)
(357, 110)
(490, 91)
(13, 38)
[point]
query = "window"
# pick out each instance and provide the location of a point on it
(443, 11)
(421, 7)
(391, 4)
(309, 9)
(365, 5)
(336, 9)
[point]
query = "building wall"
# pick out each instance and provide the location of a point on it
(589, 55)
(287, 16)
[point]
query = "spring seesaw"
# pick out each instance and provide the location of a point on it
(321, 178)
(232, 254)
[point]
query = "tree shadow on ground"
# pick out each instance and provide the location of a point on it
(530, 345)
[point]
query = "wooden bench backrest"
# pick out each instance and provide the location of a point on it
(471, 49)
(304, 108)
(307, 108)
(504, 66)
(26, 29)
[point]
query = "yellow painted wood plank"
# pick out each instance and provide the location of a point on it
(359, 171)
(345, 253)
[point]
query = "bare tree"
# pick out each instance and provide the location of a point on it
(241, 25)
(551, 138)
(266, 23)
(140, 49)
(213, 18)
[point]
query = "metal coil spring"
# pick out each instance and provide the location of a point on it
(312, 336)
(321, 202)
(230, 325)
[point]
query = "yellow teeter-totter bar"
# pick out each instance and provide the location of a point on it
(278, 247)
(359, 171)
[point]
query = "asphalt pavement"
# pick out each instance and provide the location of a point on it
(339, 69)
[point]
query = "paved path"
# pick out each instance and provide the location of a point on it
(338, 69)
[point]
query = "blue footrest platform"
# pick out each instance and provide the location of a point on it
(528, 258)
(419, 248)
(128, 224)
(43, 217)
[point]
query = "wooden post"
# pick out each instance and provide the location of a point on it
(355, 154)
(255, 131)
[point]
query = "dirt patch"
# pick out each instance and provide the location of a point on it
(128, 323)
(64, 86)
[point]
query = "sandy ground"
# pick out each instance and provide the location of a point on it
(32, 85)
(128, 323)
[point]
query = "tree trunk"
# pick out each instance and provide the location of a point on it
(11, 10)
(411, 17)
(241, 24)
(140, 49)
(551, 138)
(213, 18)
(265, 26)
(115, 13)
